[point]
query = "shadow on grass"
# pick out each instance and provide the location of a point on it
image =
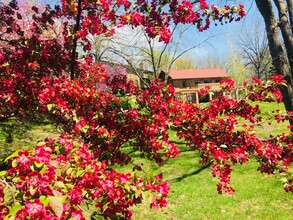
(178, 142)
(178, 179)
(22, 133)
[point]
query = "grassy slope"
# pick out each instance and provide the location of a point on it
(264, 130)
(24, 135)
(193, 193)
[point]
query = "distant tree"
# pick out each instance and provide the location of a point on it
(236, 68)
(233, 64)
(254, 49)
(184, 62)
(211, 61)
(170, 53)
(100, 46)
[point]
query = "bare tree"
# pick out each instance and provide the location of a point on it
(186, 61)
(211, 61)
(100, 46)
(236, 68)
(143, 54)
(254, 50)
(170, 53)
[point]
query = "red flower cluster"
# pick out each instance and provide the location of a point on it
(267, 91)
(154, 16)
(227, 84)
(48, 184)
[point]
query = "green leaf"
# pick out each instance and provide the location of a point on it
(14, 163)
(57, 205)
(75, 118)
(44, 168)
(84, 192)
(223, 146)
(38, 165)
(79, 173)
(84, 129)
(290, 170)
(134, 177)
(2, 173)
(69, 171)
(132, 103)
(41, 143)
(151, 177)
(137, 193)
(14, 154)
(51, 107)
(17, 179)
(69, 186)
(284, 180)
(13, 211)
(44, 200)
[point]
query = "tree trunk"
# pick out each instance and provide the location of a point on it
(279, 56)
(290, 8)
(284, 25)
(73, 53)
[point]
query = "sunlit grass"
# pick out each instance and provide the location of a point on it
(268, 126)
(193, 193)
(15, 134)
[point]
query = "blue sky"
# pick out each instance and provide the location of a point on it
(227, 34)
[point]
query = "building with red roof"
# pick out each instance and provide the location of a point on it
(188, 82)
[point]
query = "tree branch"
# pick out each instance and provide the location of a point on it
(76, 28)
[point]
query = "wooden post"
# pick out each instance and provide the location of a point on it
(245, 92)
(237, 95)
(210, 96)
(196, 97)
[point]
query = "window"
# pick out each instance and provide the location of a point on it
(184, 84)
(207, 81)
(191, 97)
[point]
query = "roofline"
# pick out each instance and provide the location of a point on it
(208, 77)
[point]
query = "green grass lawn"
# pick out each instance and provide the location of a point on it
(24, 135)
(193, 193)
(264, 130)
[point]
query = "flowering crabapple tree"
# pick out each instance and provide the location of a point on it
(42, 77)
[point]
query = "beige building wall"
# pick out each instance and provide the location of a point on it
(134, 78)
(197, 84)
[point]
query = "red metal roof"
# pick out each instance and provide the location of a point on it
(197, 74)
